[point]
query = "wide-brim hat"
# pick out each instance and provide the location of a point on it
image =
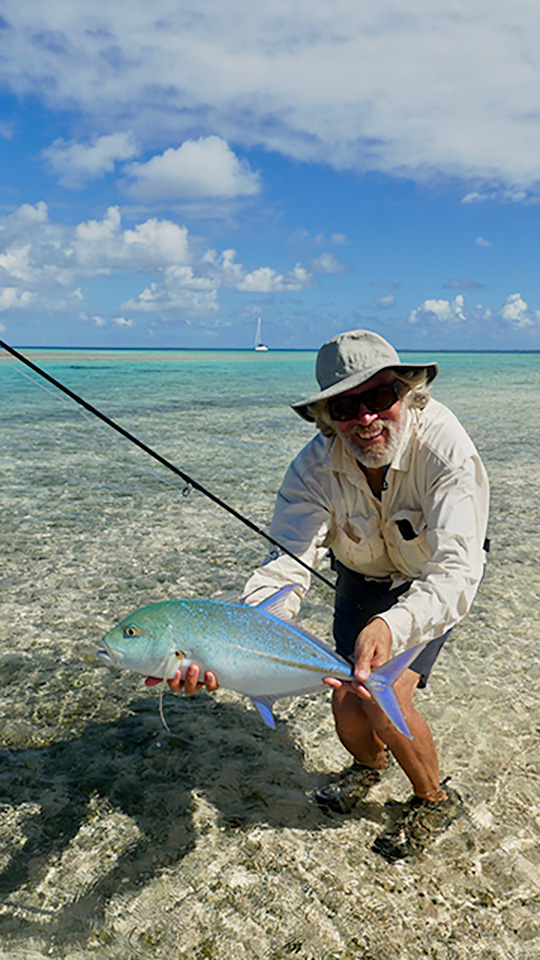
(351, 358)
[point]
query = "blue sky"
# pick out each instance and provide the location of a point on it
(171, 171)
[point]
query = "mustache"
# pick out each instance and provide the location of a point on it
(372, 431)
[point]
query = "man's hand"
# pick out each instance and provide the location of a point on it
(372, 649)
(191, 683)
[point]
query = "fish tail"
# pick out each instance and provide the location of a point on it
(381, 686)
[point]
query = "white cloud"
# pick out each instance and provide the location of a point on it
(41, 254)
(512, 194)
(328, 264)
(483, 243)
(171, 296)
(26, 216)
(516, 312)
(78, 162)
(102, 245)
(15, 262)
(475, 197)
(12, 299)
(194, 289)
(199, 168)
(441, 311)
(384, 302)
(40, 261)
(122, 322)
(267, 280)
(310, 81)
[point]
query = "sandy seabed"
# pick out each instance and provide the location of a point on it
(119, 842)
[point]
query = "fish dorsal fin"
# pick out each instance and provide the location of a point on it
(275, 605)
(264, 706)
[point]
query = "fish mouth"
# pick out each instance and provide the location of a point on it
(110, 656)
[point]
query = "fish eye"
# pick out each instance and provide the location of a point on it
(131, 632)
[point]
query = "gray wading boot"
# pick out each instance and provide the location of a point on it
(343, 794)
(421, 823)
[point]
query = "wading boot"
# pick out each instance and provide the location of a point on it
(421, 823)
(348, 790)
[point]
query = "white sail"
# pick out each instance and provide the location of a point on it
(259, 345)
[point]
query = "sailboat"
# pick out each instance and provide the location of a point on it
(259, 345)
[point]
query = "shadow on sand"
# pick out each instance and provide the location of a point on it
(247, 773)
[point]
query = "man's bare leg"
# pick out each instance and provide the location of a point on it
(363, 729)
(356, 732)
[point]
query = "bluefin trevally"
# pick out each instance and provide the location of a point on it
(250, 649)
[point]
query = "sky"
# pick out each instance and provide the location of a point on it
(171, 171)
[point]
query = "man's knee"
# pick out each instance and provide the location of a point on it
(348, 709)
(405, 688)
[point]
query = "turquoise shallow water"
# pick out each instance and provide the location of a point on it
(118, 842)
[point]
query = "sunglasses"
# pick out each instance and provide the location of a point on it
(347, 407)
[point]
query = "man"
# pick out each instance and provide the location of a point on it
(395, 488)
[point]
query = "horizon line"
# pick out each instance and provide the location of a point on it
(274, 349)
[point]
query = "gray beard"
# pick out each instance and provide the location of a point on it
(376, 458)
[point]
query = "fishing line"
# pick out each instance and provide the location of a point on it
(190, 482)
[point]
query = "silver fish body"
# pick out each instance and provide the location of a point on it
(249, 649)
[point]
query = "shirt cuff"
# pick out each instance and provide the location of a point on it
(402, 628)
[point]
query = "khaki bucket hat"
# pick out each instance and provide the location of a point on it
(351, 358)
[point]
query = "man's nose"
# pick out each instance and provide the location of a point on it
(364, 415)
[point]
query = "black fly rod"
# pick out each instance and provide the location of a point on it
(166, 463)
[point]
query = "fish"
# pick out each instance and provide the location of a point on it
(251, 650)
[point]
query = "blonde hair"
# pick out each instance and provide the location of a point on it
(413, 388)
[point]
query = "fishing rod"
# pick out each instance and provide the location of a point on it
(166, 463)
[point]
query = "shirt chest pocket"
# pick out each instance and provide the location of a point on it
(408, 535)
(357, 541)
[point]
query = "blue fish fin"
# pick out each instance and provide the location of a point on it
(275, 605)
(381, 687)
(264, 706)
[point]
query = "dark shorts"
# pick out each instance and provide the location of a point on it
(359, 600)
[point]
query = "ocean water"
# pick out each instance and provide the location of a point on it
(119, 842)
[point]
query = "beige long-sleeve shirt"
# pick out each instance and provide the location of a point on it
(436, 482)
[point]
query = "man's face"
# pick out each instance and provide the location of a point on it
(372, 438)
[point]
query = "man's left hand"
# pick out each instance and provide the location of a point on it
(372, 649)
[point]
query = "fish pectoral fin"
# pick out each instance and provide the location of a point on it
(275, 605)
(264, 706)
